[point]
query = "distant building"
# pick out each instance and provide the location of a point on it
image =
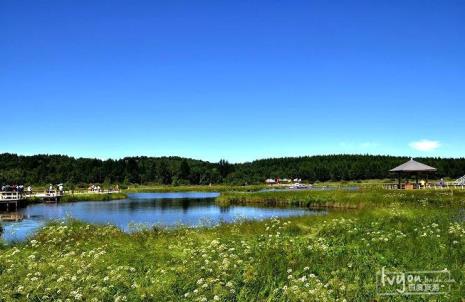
(270, 181)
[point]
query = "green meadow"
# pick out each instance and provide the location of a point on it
(156, 188)
(73, 197)
(334, 257)
(92, 197)
(360, 198)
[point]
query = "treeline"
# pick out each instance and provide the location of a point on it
(43, 169)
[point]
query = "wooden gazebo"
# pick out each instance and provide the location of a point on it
(412, 167)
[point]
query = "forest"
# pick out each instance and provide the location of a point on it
(43, 169)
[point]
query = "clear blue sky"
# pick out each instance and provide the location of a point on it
(232, 79)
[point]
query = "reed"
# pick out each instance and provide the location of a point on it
(340, 198)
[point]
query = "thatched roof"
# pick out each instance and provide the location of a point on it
(413, 166)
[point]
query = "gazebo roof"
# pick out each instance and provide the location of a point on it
(413, 166)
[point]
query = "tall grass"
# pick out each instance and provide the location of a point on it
(346, 199)
(333, 258)
(192, 188)
(92, 197)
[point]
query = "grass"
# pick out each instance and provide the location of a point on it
(68, 197)
(192, 188)
(92, 197)
(310, 258)
(346, 199)
(333, 258)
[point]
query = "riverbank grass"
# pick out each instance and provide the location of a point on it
(360, 198)
(155, 188)
(92, 197)
(332, 258)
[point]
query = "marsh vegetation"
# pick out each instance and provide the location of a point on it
(308, 258)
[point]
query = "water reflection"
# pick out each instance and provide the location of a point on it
(165, 209)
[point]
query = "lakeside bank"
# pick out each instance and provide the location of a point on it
(330, 197)
(337, 198)
(331, 258)
(192, 188)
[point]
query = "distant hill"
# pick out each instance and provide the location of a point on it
(41, 169)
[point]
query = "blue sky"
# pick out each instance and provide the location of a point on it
(239, 80)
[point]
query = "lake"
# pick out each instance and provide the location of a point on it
(163, 209)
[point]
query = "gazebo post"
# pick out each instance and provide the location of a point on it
(416, 180)
(399, 176)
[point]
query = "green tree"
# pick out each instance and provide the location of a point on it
(184, 170)
(164, 173)
(224, 167)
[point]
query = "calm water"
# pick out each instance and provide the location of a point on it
(164, 209)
